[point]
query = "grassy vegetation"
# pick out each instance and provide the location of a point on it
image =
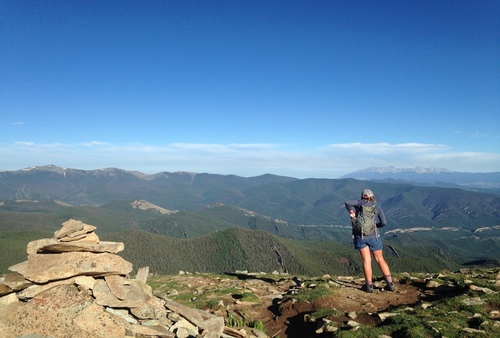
(325, 313)
(210, 298)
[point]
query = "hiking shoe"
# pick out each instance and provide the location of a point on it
(390, 287)
(367, 288)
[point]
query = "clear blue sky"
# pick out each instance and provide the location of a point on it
(296, 88)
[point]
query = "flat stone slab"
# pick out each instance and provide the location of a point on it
(42, 268)
(69, 227)
(36, 289)
(87, 238)
(52, 245)
(5, 290)
(134, 297)
(115, 284)
(16, 281)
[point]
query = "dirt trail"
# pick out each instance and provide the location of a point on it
(283, 317)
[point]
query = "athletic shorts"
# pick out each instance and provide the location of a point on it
(374, 243)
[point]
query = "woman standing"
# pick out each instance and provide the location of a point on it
(368, 242)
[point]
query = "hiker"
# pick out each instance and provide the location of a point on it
(364, 214)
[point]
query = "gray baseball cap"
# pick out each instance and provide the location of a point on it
(367, 193)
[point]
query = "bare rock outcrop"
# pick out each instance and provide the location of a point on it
(74, 285)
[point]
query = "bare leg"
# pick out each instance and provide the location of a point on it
(366, 258)
(379, 258)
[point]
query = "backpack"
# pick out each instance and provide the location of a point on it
(365, 223)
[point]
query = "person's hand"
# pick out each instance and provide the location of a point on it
(352, 214)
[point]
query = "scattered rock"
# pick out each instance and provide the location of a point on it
(484, 290)
(142, 274)
(494, 314)
(471, 330)
(433, 284)
(384, 315)
(352, 323)
(474, 301)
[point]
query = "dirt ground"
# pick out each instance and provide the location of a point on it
(285, 318)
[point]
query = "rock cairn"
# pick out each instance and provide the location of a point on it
(74, 285)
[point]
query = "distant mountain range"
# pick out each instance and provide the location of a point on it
(190, 206)
(295, 201)
(179, 190)
(487, 182)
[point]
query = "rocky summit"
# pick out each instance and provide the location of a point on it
(74, 285)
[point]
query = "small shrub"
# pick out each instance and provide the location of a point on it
(311, 294)
(259, 325)
(233, 321)
(213, 304)
(249, 297)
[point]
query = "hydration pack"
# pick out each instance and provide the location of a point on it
(365, 223)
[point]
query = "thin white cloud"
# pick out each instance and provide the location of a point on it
(93, 144)
(258, 146)
(386, 148)
(330, 161)
(203, 148)
(24, 144)
(211, 148)
(39, 146)
(485, 135)
(479, 134)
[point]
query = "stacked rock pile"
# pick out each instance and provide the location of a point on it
(74, 285)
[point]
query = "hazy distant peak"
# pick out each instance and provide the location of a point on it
(100, 171)
(50, 167)
(432, 175)
(394, 170)
(433, 170)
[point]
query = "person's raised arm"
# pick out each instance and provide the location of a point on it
(381, 217)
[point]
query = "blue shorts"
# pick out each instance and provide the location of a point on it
(373, 242)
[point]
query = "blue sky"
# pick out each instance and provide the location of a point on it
(296, 88)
